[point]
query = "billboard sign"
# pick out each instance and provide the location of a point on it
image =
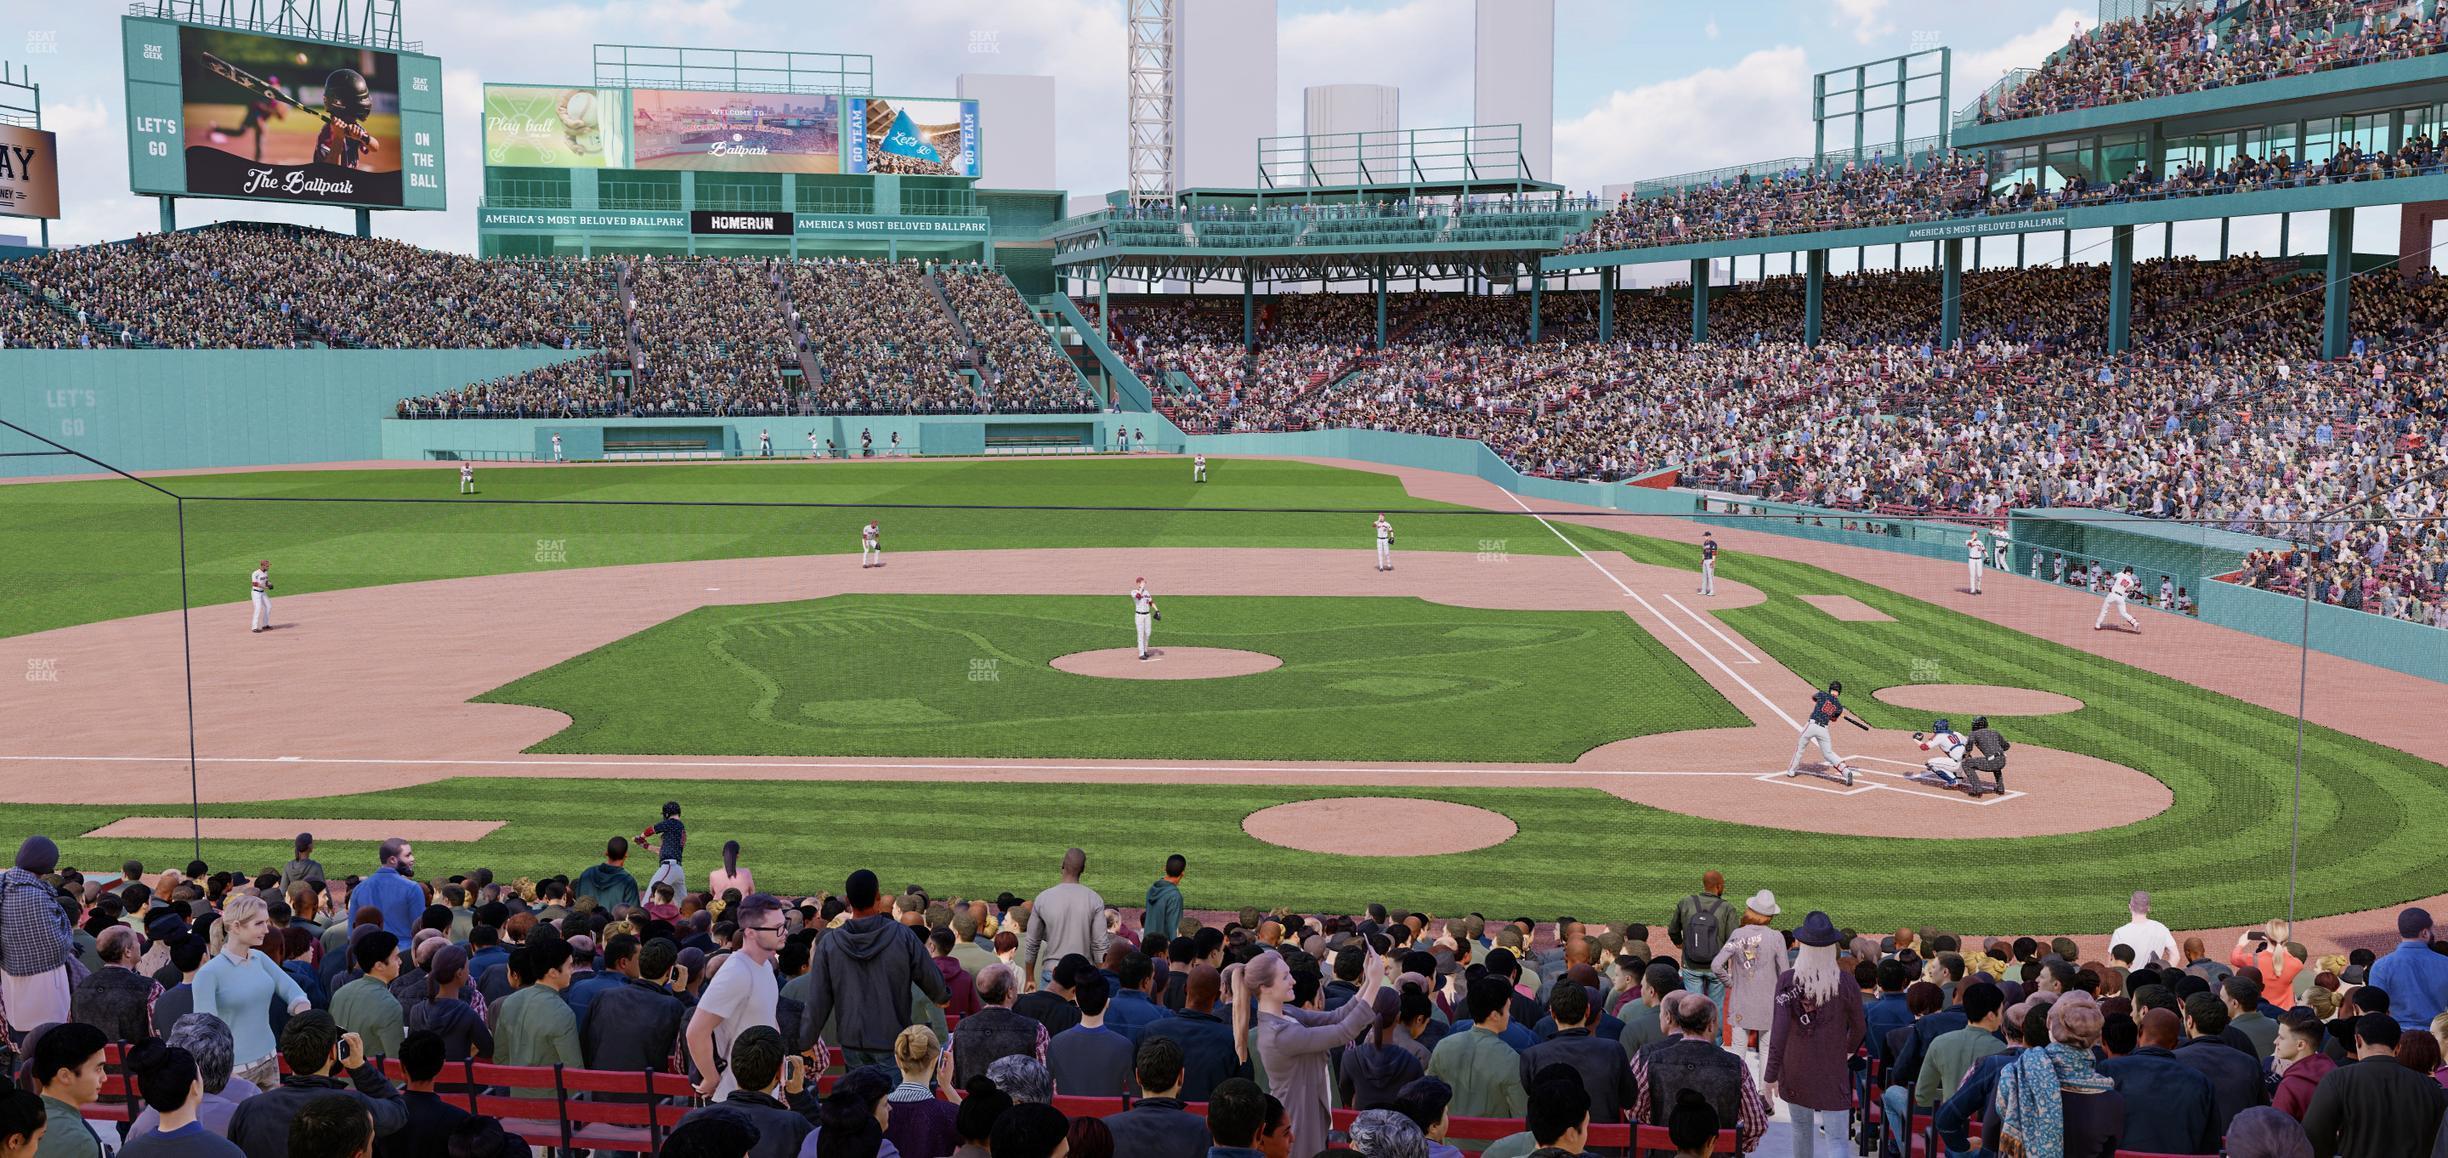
(734, 222)
(923, 137)
(738, 132)
(29, 172)
(214, 112)
(555, 127)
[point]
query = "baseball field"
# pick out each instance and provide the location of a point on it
(560, 653)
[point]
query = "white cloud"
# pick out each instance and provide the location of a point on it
(1422, 47)
(1868, 18)
(1754, 110)
(1975, 71)
(1710, 29)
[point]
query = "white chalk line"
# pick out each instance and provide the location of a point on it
(768, 765)
(1710, 622)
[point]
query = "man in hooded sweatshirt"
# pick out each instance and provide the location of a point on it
(860, 976)
(609, 883)
(1164, 903)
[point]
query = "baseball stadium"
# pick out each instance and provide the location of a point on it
(1609, 637)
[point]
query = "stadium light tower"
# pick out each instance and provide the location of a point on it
(1150, 94)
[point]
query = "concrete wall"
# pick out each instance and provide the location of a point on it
(2390, 643)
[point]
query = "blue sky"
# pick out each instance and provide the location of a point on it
(1642, 89)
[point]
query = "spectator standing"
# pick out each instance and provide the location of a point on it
(390, 891)
(1291, 1044)
(861, 974)
(1748, 966)
(744, 994)
(731, 875)
(1700, 926)
(610, 883)
(239, 985)
(1164, 899)
(2265, 949)
(1066, 919)
(2374, 1107)
(1819, 1024)
(1484, 1071)
(636, 1024)
(302, 865)
(2413, 975)
(37, 937)
(2152, 944)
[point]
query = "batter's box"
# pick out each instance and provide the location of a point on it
(1828, 782)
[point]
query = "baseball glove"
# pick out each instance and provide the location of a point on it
(1155, 616)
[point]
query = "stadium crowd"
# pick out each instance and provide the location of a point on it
(2191, 48)
(709, 337)
(1022, 370)
(884, 342)
(301, 1013)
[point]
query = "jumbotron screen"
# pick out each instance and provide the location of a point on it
(214, 112)
(929, 137)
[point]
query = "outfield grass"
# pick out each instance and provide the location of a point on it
(83, 552)
(967, 675)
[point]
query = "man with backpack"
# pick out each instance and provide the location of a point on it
(1700, 925)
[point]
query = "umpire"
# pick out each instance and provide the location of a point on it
(1988, 755)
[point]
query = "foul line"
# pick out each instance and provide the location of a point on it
(856, 766)
(1671, 625)
(1710, 623)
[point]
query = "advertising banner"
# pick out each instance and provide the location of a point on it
(556, 128)
(739, 132)
(289, 120)
(29, 172)
(937, 138)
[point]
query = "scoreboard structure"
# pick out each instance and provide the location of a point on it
(289, 114)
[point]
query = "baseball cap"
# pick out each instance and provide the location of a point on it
(2413, 922)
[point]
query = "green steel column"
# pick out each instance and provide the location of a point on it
(2335, 338)
(1538, 281)
(169, 214)
(1104, 312)
(2286, 222)
(1381, 306)
(1249, 308)
(2120, 287)
(2168, 231)
(1699, 292)
(1814, 294)
(2223, 223)
(1950, 293)
(2019, 249)
(1606, 304)
(365, 222)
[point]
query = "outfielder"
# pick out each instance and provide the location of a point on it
(1976, 560)
(261, 583)
(1826, 708)
(764, 444)
(2118, 589)
(1198, 469)
(1708, 563)
(1143, 612)
(813, 452)
(871, 548)
(467, 478)
(557, 448)
(1385, 543)
(1947, 765)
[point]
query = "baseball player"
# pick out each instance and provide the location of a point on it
(2167, 593)
(2118, 588)
(813, 452)
(467, 478)
(764, 444)
(1826, 708)
(866, 442)
(1385, 543)
(2036, 562)
(557, 448)
(894, 450)
(1143, 612)
(1998, 558)
(871, 549)
(261, 584)
(1198, 468)
(1976, 560)
(1708, 563)
(1942, 738)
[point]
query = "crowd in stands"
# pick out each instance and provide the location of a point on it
(30, 323)
(884, 342)
(710, 337)
(302, 1013)
(581, 388)
(1022, 370)
(180, 290)
(2183, 48)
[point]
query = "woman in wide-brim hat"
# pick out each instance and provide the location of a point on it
(1750, 961)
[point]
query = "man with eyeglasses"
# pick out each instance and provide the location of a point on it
(742, 994)
(861, 975)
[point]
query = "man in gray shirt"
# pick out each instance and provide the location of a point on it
(1068, 918)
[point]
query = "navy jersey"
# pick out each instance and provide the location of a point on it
(674, 834)
(1825, 709)
(1708, 550)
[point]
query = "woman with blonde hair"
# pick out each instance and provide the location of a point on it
(2050, 1101)
(238, 984)
(1292, 1044)
(920, 1122)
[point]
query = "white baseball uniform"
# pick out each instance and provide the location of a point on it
(261, 583)
(1385, 544)
(467, 478)
(1948, 763)
(1198, 469)
(1143, 615)
(812, 451)
(2167, 593)
(871, 549)
(2118, 589)
(1976, 559)
(556, 448)
(765, 443)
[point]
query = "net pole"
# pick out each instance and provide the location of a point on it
(195, 790)
(2303, 680)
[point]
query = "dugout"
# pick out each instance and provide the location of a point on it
(2186, 553)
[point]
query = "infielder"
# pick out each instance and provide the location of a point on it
(2118, 589)
(557, 448)
(467, 478)
(1976, 559)
(871, 549)
(1708, 563)
(261, 583)
(1947, 765)
(1198, 469)
(1826, 708)
(1143, 612)
(1385, 543)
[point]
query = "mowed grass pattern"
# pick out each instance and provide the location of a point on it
(82, 552)
(1362, 679)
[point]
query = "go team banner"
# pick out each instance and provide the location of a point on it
(29, 172)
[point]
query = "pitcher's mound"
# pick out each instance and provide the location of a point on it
(1167, 663)
(1980, 699)
(1379, 826)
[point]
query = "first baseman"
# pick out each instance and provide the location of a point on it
(1975, 559)
(2118, 588)
(1385, 543)
(1708, 563)
(261, 582)
(1826, 708)
(1143, 612)
(871, 549)
(467, 478)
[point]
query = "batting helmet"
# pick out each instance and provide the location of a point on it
(347, 95)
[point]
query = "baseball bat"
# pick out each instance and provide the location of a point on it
(257, 85)
(1856, 722)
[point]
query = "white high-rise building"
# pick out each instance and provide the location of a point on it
(1513, 78)
(1352, 108)
(1015, 128)
(1223, 91)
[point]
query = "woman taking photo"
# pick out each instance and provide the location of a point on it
(239, 984)
(1292, 1043)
